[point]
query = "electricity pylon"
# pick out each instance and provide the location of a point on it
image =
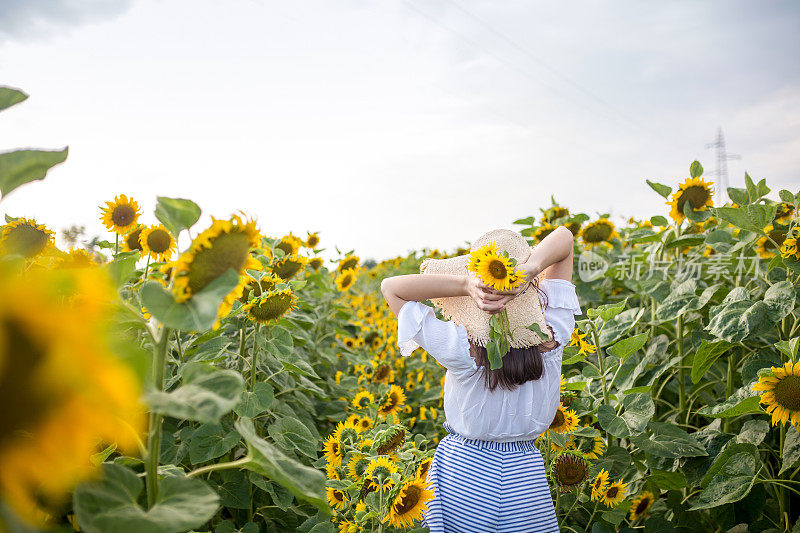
(721, 173)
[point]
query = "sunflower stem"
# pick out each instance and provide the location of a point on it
(600, 360)
(116, 244)
(220, 466)
(681, 371)
(254, 364)
(726, 423)
(782, 503)
(146, 267)
(154, 433)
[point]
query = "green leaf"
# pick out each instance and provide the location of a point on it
(658, 220)
(210, 441)
(305, 482)
(620, 325)
(123, 266)
(791, 448)
(696, 169)
(111, 504)
(741, 402)
(730, 477)
(737, 316)
(738, 195)
(789, 348)
(753, 431)
(23, 166)
(686, 240)
(669, 441)
(680, 301)
(705, 357)
(291, 434)
(661, 189)
(10, 96)
(207, 393)
(638, 410)
(256, 402)
(196, 314)
(177, 214)
(544, 335)
(750, 217)
(666, 480)
(786, 196)
(625, 347)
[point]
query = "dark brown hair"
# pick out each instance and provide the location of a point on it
(520, 365)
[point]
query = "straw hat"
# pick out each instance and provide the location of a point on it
(523, 310)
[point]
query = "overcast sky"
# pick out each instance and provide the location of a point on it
(394, 125)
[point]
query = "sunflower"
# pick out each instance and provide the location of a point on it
(599, 232)
(346, 526)
(543, 231)
(226, 244)
(350, 262)
(389, 440)
(287, 266)
(409, 504)
(614, 493)
(599, 485)
(357, 466)
(315, 263)
(598, 448)
(130, 242)
(333, 450)
(497, 271)
(765, 247)
(347, 432)
(564, 421)
(554, 213)
(365, 423)
(267, 283)
(312, 241)
(331, 471)
(781, 393)
(578, 339)
(336, 498)
(569, 470)
(789, 247)
(158, 242)
(695, 190)
(290, 244)
(379, 471)
(271, 306)
(393, 401)
(383, 373)
(784, 213)
(62, 388)
(363, 399)
(345, 279)
(78, 258)
(120, 216)
(641, 504)
(422, 469)
(25, 237)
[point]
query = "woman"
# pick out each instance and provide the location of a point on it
(487, 474)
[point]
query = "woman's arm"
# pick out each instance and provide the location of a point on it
(397, 290)
(554, 256)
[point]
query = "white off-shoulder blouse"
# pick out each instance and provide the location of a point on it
(470, 408)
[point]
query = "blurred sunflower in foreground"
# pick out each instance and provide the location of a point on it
(62, 389)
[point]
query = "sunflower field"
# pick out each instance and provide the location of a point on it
(244, 384)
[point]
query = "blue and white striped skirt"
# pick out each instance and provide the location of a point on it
(483, 486)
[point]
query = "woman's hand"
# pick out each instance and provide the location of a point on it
(487, 299)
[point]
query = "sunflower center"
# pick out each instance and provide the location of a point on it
(228, 250)
(696, 194)
(597, 232)
(643, 505)
(286, 247)
(571, 470)
(123, 215)
(350, 262)
(159, 241)
(287, 268)
(25, 240)
(347, 279)
(612, 492)
(23, 404)
(787, 392)
(497, 269)
(558, 420)
(132, 240)
(338, 495)
(363, 402)
(409, 500)
(335, 448)
(390, 445)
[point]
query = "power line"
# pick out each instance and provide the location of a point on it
(501, 60)
(543, 64)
